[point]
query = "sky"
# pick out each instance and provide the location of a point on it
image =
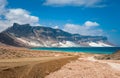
(86, 17)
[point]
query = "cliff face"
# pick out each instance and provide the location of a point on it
(38, 36)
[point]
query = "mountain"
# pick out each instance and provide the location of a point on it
(38, 36)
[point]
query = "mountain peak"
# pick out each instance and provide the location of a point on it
(16, 24)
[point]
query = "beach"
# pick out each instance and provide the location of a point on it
(18, 62)
(23, 63)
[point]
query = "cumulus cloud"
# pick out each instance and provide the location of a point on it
(18, 15)
(90, 24)
(21, 16)
(85, 3)
(3, 3)
(88, 28)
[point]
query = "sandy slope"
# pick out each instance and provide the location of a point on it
(9, 52)
(114, 56)
(23, 63)
(88, 68)
(32, 67)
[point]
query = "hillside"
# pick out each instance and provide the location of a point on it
(38, 36)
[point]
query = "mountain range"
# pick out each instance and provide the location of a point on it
(40, 36)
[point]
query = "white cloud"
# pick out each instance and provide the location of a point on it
(18, 15)
(85, 29)
(3, 25)
(21, 16)
(3, 3)
(90, 24)
(85, 3)
(56, 27)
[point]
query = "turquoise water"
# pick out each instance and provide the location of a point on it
(95, 50)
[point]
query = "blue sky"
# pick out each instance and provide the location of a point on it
(86, 17)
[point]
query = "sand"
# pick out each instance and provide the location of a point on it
(9, 52)
(18, 62)
(88, 67)
(32, 67)
(23, 63)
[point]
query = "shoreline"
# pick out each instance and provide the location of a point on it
(90, 50)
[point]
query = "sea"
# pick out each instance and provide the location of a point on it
(94, 50)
